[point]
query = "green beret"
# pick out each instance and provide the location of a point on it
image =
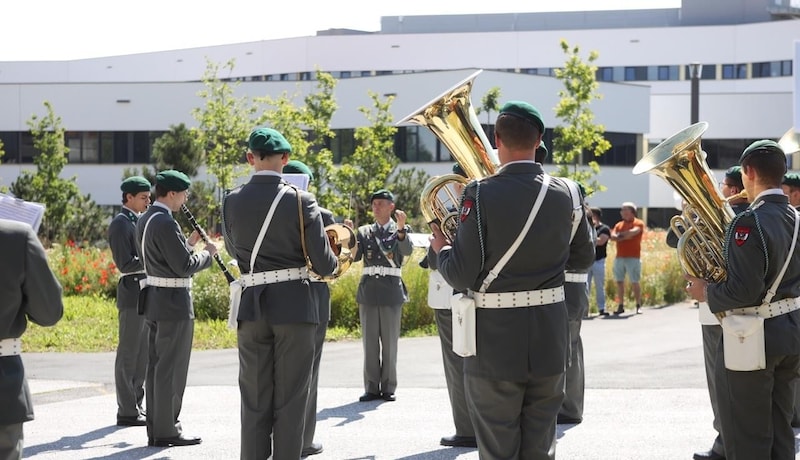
(269, 141)
(541, 153)
(172, 180)
(525, 111)
(762, 146)
(792, 179)
(457, 169)
(734, 173)
(135, 184)
(382, 194)
(298, 167)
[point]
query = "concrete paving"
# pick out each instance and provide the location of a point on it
(646, 398)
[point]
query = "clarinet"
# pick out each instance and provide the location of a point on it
(207, 240)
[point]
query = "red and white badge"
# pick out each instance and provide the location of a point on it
(740, 235)
(466, 207)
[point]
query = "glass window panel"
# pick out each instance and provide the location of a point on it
(91, 147)
(638, 73)
(106, 147)
(345, 74)
(786, 68)
(709, 72)
(141, 147)
(366, 73)
(123, 146)
(26, 150)
(605, 74)
(74, 144)
(621, 153)
(343, 145)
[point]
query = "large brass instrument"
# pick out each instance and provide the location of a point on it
(343, 243)
(790, 142)
(681, 162)
(453, 121)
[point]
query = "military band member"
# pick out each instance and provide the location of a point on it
(30, 292)
(323, 299)
(166, 302)
(279, 311)
(515, 382)
(791, 188)
(381, 294)
(453, 363)
(130, 365)
(756, 406)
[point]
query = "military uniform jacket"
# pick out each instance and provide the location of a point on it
(756, 246)
(122, 241)
(513, 342)
(166, 255)
(29, 291)
(244, 211)
(373, 242)
(321, 289)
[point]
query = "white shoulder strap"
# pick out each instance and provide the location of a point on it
(144, 235)
(494, 272)
(774, 288)
(577, 206)
(265, 226)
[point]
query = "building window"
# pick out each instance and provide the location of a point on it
(734, 71)
(786, 68)
(638, 73)
(366, 73)
(270, 77)
(344, 74)
(667, 72)
(305, 76)
(604, 74)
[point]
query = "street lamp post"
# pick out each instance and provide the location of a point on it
(695, 69)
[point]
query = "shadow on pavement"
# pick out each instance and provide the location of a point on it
(445, 453)
(73, 443)
(350, 413)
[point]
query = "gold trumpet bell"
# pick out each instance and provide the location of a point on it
(343, 243)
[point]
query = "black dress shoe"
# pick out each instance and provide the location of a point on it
(138, 420)
(620, 309)
(369, 397)
(459, 441)
(388, 396)
(176, 441)
(568, 420)
(708, 455)
(314, 449)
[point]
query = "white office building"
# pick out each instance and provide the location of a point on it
(114, 107)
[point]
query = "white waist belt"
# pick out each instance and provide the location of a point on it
(576, 277)
(169, 282)
(519, 299)
(273, 276)
(777, 308)
(381, 271)
(140, 272)
(10, 347)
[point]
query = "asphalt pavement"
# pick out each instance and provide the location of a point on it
(646, 398)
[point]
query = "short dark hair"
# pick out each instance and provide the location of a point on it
(770, 166)
(516, 132)
(597, 212)
(161, 191)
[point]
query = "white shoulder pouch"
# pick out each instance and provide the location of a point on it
(743, 342)
(439, 292)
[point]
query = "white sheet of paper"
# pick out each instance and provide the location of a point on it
(420, 240)
(12, 208)
(299, 180)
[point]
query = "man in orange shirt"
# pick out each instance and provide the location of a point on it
(627, 233)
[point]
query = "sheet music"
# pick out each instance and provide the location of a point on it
(12, 208)
(420, 240)
(299, 180)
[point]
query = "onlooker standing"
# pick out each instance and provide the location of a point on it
(598, 270)
(166, 302)
(30, 291)
(515, 382)
(627, 233)
(381, 294)
(130, 365)
(791, 188)
(278, 316)
(762, 284)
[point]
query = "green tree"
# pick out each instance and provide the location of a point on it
(489, 103)
(224, 121)
(178, 149)
(68, 215)
(578, 133)
(369, 167)
(406, 184)
(307, 129)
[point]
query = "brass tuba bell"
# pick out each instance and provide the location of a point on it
(453, 121)
(681, 162)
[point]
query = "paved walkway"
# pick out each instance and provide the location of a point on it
(645, 398)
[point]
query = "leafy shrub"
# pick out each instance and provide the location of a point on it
(84, 271)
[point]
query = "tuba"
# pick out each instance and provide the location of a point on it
(790, 142)
(681, 162)
(343, 243)
(453, 121)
